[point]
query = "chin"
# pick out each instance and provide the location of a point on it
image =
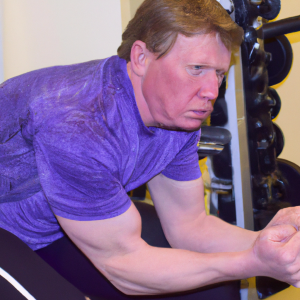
(191, 125)
(181, 128)
(191, 128)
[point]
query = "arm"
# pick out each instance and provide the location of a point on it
(116, 249)
(276, 249)
(180, 206)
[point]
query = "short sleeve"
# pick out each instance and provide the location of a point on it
(185, 166)
(78, 174)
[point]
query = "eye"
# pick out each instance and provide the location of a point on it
(220, 76)
(194, 70)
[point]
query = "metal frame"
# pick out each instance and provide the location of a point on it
(237, 125)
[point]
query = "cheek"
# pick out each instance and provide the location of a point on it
(168, 91)
(175, 85)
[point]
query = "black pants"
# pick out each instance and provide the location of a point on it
(31, 272)
(69, 262)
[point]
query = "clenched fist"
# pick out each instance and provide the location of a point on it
(277, 248)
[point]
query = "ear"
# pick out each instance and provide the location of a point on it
(139, 57)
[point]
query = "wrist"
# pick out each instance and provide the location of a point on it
(234, 265)
(252, 264)
(245, 265)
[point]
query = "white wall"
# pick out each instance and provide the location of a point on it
(38, 34)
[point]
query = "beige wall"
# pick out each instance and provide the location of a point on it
(134, 4)
(38, 34)
(289, 91)
(128, 9)
(125, 13)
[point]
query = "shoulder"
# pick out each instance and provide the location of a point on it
(67, 94)
(187, 139)
(40, 90)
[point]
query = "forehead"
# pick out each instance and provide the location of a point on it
(202, 49)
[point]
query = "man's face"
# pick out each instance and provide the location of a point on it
(181, 87)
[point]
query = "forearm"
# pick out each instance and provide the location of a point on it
(180, 206)
(115, 247)
(210, 234)
(151, 270)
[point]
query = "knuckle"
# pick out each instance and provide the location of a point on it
(280, 214)
(284, 210)
(287, 210)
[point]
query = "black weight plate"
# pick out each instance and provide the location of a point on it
(218, 135)
(269, 9)
(221, 164)
(219, 116)
(291, 172)
(279, 139)
(282, 58)
(274, 109)
(226, 208)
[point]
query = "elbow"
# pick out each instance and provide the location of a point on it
(178, 238)
(175, 242)
(174, 236)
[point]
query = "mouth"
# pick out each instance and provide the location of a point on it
(202, 113)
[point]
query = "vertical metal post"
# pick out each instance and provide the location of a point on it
(237, 125)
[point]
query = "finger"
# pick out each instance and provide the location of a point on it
(294, 244)
(281, 233)
(287, 216)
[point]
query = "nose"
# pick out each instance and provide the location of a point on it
(209, 86)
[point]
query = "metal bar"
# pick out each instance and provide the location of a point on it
(285, 26)
(237, 125)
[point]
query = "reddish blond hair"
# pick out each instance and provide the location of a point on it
(158, 22)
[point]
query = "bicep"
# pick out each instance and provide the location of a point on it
(179, 204)
(103, 240)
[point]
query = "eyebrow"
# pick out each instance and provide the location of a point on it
(209, 66)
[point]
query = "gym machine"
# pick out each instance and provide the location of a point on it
(248, 182)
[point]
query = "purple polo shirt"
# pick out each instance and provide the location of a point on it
(72, 143)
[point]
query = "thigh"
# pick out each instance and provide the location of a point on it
(24, 274)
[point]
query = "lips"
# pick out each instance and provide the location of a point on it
(202, 113)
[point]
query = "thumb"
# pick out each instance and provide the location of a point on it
(281, 233)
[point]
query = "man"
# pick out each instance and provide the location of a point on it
(76, 139)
